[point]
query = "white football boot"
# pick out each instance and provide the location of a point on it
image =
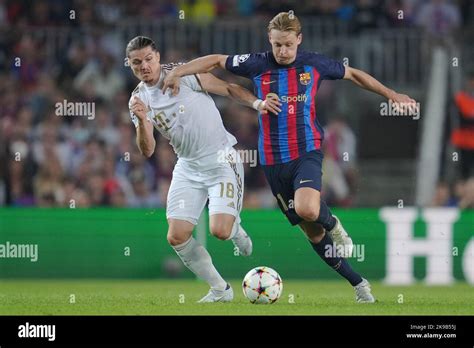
(213, 295)
(243, 242)
(341, 239)
(363, 294)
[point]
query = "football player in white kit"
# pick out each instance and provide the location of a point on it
(208, 166)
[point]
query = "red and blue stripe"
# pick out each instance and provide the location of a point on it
(312, 128)
(296, 129)
(264, 140)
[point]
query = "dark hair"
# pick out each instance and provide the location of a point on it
(138, 43)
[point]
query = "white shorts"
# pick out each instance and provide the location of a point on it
(190, 189)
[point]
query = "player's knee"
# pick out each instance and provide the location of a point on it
(220, 230)
(308, 212)
(175, 239)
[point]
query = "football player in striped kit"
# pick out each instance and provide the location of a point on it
(289, 144)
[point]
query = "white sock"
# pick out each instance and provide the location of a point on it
(236, 231)
(198, 260)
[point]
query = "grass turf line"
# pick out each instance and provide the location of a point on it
(162, 297)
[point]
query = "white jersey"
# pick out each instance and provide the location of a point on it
(190, 121)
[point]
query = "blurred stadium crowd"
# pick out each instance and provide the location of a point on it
(49, 160)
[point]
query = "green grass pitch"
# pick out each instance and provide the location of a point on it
(162, 297)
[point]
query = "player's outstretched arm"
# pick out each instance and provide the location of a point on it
(196, 66)
(145, 140)
(368, 82)
(212, 84)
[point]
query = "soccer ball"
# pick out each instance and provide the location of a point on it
(262, 285)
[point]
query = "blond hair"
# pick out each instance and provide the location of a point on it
(285, 21)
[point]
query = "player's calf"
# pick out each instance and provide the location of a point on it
(314, 231)
(324, 248)
(193, 254)
(310, 207)
(224, 227)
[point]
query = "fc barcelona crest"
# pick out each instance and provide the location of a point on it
(305, 78)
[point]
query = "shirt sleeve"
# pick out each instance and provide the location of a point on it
(329, 69)
(246, 65)
(192, 81)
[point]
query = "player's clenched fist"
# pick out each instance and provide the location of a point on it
(269, 105)
(139, 108)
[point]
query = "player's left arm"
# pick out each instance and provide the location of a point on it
(368, 82)
(212, 84)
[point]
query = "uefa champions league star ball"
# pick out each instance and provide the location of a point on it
(262, 285)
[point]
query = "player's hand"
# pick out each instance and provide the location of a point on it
(171, 81)
(270, 105)
(139, 108)
(404, 104)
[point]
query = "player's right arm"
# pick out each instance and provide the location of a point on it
(145, 140)
(212, 84)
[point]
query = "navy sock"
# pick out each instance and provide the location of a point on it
(325, 250)
(325, 217)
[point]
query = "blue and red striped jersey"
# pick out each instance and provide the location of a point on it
(296, 129)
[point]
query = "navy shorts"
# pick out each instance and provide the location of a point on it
(286, 178)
